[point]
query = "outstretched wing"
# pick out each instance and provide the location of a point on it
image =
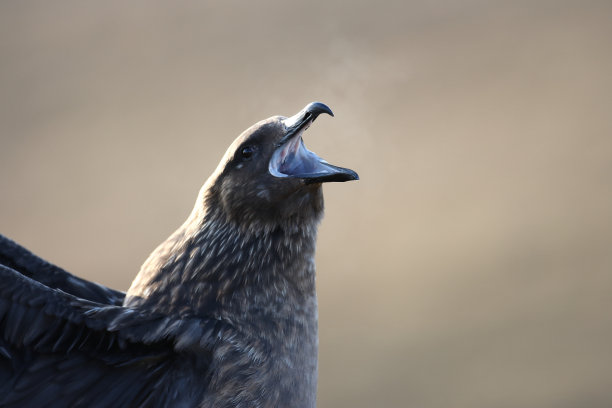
(60, 350)
(20, 259)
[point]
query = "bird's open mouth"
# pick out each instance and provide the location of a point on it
(293, 159)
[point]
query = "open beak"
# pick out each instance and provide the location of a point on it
(292, 159)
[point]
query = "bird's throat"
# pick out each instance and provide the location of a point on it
(212, 266)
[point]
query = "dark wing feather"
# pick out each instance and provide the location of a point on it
(20, 259)
(59, 350)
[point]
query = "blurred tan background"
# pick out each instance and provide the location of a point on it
(471, 266)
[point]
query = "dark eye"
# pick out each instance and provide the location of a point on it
(247, 151)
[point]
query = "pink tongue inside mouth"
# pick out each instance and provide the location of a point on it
(294, 159)
(289, 155)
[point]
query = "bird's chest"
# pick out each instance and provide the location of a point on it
(275, 367)
(294, 362)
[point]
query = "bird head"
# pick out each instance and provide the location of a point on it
(268, 174)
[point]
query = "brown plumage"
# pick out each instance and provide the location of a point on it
(222, 314)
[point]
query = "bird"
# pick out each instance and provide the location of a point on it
(221, 314)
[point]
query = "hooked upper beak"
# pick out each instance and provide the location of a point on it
(292, 159)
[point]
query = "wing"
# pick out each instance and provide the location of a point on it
(20, 259)
(59, 350)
